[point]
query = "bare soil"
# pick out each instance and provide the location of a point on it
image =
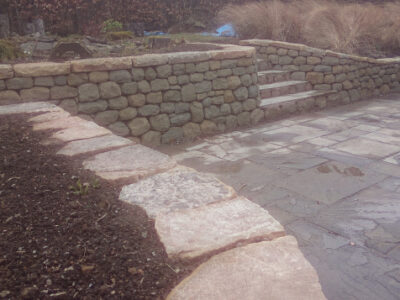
(59, 242)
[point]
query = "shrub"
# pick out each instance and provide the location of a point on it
(111, 26)
(119, 35)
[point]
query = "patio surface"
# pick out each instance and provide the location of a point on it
(332, 179)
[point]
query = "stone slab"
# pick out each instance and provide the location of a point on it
(266, 270)
(85, 131)
(6, 71)
(134, 162)
(102, 143)
(177, 189)
(61, 123)
(330, 181)
(191, 233)
(30, 107)
(49, 116)
(367, 148)
(101, 64)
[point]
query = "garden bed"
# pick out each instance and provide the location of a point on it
(57, 241)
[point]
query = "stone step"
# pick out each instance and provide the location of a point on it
(283, 88)
(263, 65)
(292, 98)
(272, 76)
(272, 270)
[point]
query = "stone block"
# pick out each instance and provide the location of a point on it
(139, 126)
(276, 269)
(6, 71)
(149, 110)
(160, 122)
(76, 79)
(120, 76)
(192, 233)
(188, 93)
(244, 119)
(18, 83)
(241, 94)
(133, 162)
(88, 92)
(106, 117)
(144, 87)
(175, 190)
(35, 94)
(137, 100)
(164, 71)
(154, 98)
(44, 81)
(137, 74)
(118, 103)
(150, 74)
(9, 97)
(203, 87)
(151, 139)
(41, 69)
(174, 134)
(109, 90)
(128, 113)
(197, 112)
(92, 107)
(101, 64)
(150, 60)
(180, 119)
(129, 88)
(69, 105)
(98, 77)
(119, 128)
(63, 92)
(191, 131)
(208, 127)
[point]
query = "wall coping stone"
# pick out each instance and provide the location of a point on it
(123, 63)
(42, 69)
(316, 51)
(6, 71)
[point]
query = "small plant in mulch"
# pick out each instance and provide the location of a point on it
(119, 35)
(8, 51)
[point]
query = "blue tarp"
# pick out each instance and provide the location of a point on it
(153, 33)
(226, 30)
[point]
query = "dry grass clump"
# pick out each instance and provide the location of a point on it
(365, 29)
(265, 20)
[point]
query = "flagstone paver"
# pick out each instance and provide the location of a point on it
(177, 189)
(332, 180)
(133, 162)
(268, 270)
(195, 232)
(29, 107)
(85, 130)
(102, 143)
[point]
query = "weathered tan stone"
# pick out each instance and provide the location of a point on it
(103, 143)
(187, 57)
(101, 64)
(190, 233)
(6, 71)
(9, 97)
(149, 60)
(35, 94)
(139, 126)
(191, 131)
(151, 138)
(41, 69)
(29, 107)
(49, 116)
(272, 270)
(177, 189)
(133, 162)
(63, 92)
(208, 127)
(60, 123)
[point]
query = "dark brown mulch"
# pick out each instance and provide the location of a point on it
(61, 245)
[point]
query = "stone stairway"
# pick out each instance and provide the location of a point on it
(281, 95)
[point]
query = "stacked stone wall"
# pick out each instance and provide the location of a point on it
(352, 77)
(157, 98)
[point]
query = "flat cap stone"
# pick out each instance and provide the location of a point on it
(148, 60)
(102, 143)
(133, 162)
(42, 69)
(101, 64)
(6, 71)
(188, 57)
(190, 233)
(179, 188)
(29, 107)
(61, 123)
(49, 116)
(272, 270)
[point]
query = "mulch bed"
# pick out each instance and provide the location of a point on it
(59, 242)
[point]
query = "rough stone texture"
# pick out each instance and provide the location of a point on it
(160, 122)
(103, 143)
(139, 126)
(174, 134)
(151, 138)
(268, 270)
(60, 122)
(119, 128)
(128, 113)
(105, 118)
(191, 233)
(88, 92)
(109, 90)
(63, 92)
(41, 69)
(35, 94)
(101, 64)
(77, 79)
(18, 83)
(134, 162)
(191, 131)
(177, 189)
(92, 107)
(98, 77)
(69, 105)
(6, 71)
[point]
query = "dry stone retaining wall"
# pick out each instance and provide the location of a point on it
(352, 77)
(158, 98)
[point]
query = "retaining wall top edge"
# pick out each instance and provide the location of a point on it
(301, 47)
(6, 71)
